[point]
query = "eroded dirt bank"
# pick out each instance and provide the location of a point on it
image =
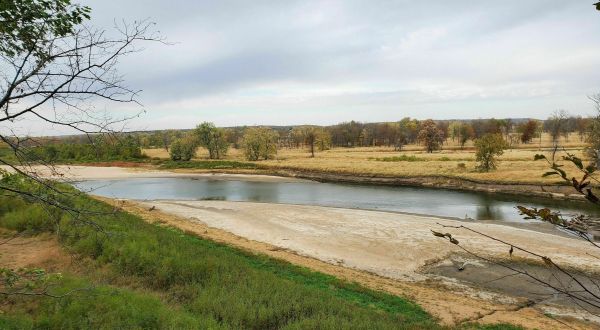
(383, 251)
(561, 192)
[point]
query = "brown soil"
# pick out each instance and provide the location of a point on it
(450, 306)
(41, 251)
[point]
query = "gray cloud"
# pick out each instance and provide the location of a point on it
(240, 62)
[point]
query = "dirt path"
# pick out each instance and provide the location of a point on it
(41, 251)
(451, 304)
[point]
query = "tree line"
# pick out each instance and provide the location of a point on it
(262, 143)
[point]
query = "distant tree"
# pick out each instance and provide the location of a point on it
(176, 150)
(312, 136)
(259, 143)
(556, 124)
(409, 129)
(527, 130)
(593, 137)
(465, 133)
(184, 148)
(443, 127)
(454, 130)
(582, 126)
(431, 136)
(213, 139)
(323, 141)
(488, 147)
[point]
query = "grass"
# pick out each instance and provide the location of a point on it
(515, 166)
(141, 275)
(401, 158)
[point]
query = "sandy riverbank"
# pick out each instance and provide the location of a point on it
(383, 251)
(77, 172)
(389, 244)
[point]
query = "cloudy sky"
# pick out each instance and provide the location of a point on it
(322, 62)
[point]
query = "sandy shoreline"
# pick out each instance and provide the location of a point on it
(393, 245)
(383, 251)
(77, 172)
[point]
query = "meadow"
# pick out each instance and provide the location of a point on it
(516, 165)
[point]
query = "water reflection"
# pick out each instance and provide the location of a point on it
(479, 206)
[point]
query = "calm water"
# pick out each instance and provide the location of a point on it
(437, 202)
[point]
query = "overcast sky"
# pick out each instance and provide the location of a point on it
(323, 62)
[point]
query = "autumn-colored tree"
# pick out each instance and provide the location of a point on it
(465, 133)
(528, 130)
(431, 136)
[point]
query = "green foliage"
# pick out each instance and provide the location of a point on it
(101, 307)
(213, 139)
(259, 143)
(488, 147)
(183, 149)
(102, 148)
(29, 25)
(402, 158)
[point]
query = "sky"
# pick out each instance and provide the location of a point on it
(324, 62)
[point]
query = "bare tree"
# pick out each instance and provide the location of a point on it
(55, 68)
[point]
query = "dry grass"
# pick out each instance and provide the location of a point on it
(516, 165)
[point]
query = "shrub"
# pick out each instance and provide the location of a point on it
(259, 143)
(183, 149)
(488, 148)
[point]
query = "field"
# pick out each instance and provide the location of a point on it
(515, 166)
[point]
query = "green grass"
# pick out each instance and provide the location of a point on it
(208, 164)
(403, 158)
(176, 280)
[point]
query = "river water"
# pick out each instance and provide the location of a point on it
(437, 202)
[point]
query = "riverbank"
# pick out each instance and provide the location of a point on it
(128, 170)
(371, 248)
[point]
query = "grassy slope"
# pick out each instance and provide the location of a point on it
(175, 280)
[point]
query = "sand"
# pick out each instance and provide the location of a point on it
(452, 302)
(388, 244)
(75, 173)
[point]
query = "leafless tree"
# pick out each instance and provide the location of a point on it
(59, 79)
(55, 69)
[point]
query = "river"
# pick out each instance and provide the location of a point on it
(437, 202)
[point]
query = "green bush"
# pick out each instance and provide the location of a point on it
(403, 158)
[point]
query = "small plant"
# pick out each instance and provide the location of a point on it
(461, 166)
